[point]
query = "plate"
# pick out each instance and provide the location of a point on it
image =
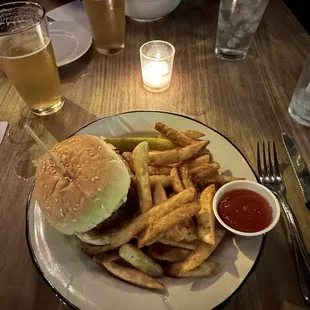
(81, 283)
(70, 41)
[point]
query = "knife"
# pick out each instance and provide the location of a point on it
(299, 165)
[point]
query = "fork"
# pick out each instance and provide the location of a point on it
(271, 177)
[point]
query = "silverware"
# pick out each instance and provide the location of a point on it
(3, 126)
(299, 165)
(271, 177)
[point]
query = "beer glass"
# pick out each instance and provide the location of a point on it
(107, 21)
(27, 56)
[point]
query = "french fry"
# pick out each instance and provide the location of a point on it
(219, 179)
(165, 180)
(199, 161)
(134, 256)
(92, 250)
(105, 257)
(176, 155)
(175, 179)
(171, 219)
(175, 136)
(189, 245)
(140, 165)
(206, 269)
(159, 196)
(166, 253)
(206, 169)
(189, 230)
(185, 177)
(200, 254)
(159, 170)
(128, 158)
(134, 227)
(132, 276)
(205, 217)
(193, 134)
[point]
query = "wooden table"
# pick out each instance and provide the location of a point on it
(246, 101)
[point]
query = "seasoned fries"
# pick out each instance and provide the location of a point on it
(159, 196)
(193, 134)
(219, 179)
(166, 253)
(206, 269)
(185, 176)
(189, 230)
(164, 180)
(174, 236)
(140, 261)
(199, 161)
(159, 170)
(128, 158)
(132, 276)
(176, 155)
(205, 217)
(200, 254)
(140, 166)
(177, 137)
(204, 170)
(133, 228)
(175, 180)
(166, 222)
(189, 245)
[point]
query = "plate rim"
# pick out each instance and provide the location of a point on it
(63, 62)
(29, 246)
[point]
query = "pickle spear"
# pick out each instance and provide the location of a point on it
(127, 144)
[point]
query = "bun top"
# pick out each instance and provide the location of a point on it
(99, 187)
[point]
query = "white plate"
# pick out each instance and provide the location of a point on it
(84, 285)
(70, 41)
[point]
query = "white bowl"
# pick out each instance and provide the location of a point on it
(149, 10)
(255, 187)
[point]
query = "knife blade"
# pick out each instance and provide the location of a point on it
(299, 165)
(3, 126)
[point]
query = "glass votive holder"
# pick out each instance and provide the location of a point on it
(156, 65)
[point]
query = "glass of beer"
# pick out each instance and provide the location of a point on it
(27, 56)
(107, 21)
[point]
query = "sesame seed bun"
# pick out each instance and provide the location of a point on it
(99, 187)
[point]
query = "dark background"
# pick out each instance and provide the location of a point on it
(301, 9)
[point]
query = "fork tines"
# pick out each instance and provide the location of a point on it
(272, 167)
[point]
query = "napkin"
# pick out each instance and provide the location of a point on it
(72, 12)
(3, 126)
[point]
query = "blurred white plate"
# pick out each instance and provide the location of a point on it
(70, 41)
(82, 284)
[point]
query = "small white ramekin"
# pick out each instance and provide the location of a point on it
(255, 187)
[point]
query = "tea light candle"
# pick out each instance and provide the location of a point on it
(156, 65)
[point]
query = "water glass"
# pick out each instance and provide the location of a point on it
(299, 108)
(238, 21)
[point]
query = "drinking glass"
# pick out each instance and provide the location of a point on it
(107, 21)
(299, 108)
(237, 22)
(27, 56)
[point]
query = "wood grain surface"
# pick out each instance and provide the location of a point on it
(246, 101)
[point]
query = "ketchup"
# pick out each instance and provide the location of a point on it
(245, 210)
